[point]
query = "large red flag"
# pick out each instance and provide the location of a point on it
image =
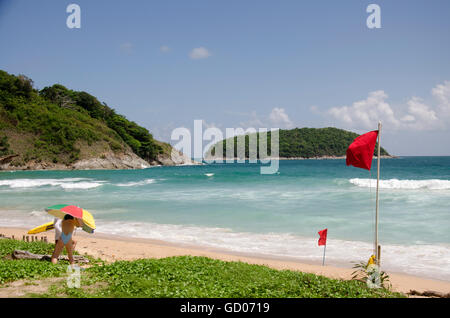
(360, 152)
(323, 237)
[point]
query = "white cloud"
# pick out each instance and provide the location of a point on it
(366, 113)
(280, 119)
(416, 115)
(253, 121)
(442, 94)
(199, 53)
(420, 116)
(164, 48)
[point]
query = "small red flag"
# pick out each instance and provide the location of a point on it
(323, 237)
(360, 152)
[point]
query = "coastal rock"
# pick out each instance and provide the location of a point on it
(106, 161)
(177, 158)
(112, 161)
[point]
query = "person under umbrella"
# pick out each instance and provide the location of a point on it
(57, 225)
(68, 225)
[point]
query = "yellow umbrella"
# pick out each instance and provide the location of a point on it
(86, 218)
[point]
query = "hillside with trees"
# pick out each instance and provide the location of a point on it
(59, 127)
(301, 143)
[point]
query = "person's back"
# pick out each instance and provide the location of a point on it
(67, 228)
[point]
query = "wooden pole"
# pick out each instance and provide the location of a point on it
(377, 203)
(323, 260)
(379, 255)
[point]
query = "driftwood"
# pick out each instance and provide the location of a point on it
(7, 159)
(429, 293)
(18, 254)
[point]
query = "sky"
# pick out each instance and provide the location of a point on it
(252, 63)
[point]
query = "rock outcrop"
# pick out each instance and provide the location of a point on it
(107, 161)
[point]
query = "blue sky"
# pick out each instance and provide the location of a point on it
(247, 63)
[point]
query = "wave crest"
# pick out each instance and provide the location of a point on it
(67, 183)
(137, 183)
(431, 184)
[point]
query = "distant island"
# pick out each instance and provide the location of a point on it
(301, 143)
(58, 128)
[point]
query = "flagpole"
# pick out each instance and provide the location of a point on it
(323, 260)
(378, 184)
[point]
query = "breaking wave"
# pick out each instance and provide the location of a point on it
(430, 184)
(67, 183)
(137, 183)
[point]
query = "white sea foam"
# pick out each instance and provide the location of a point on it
(209, 174)
(137, 183)
(66, 183)
(431, 184)
(81, 185)
(432, 261)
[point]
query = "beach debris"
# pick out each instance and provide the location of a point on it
(19, 254)
(429, 293)
(7, 159)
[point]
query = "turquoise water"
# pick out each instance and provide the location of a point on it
(233, 206)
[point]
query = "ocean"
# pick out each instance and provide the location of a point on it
(233, 207)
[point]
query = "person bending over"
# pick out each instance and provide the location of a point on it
(57, 224)
(68, 225)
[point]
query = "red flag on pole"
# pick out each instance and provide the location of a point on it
(323, 237)
(360, 152)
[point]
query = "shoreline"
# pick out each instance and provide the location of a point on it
(114, 248)
(83, 166)
(298, 158)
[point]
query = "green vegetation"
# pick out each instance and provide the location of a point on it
(182, 276)
(4, 146)
(11, 270)
(301, 143)
(55, 124)
(188, 276)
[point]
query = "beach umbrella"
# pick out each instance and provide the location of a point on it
(60, 210)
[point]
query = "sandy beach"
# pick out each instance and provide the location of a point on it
(112, 248)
